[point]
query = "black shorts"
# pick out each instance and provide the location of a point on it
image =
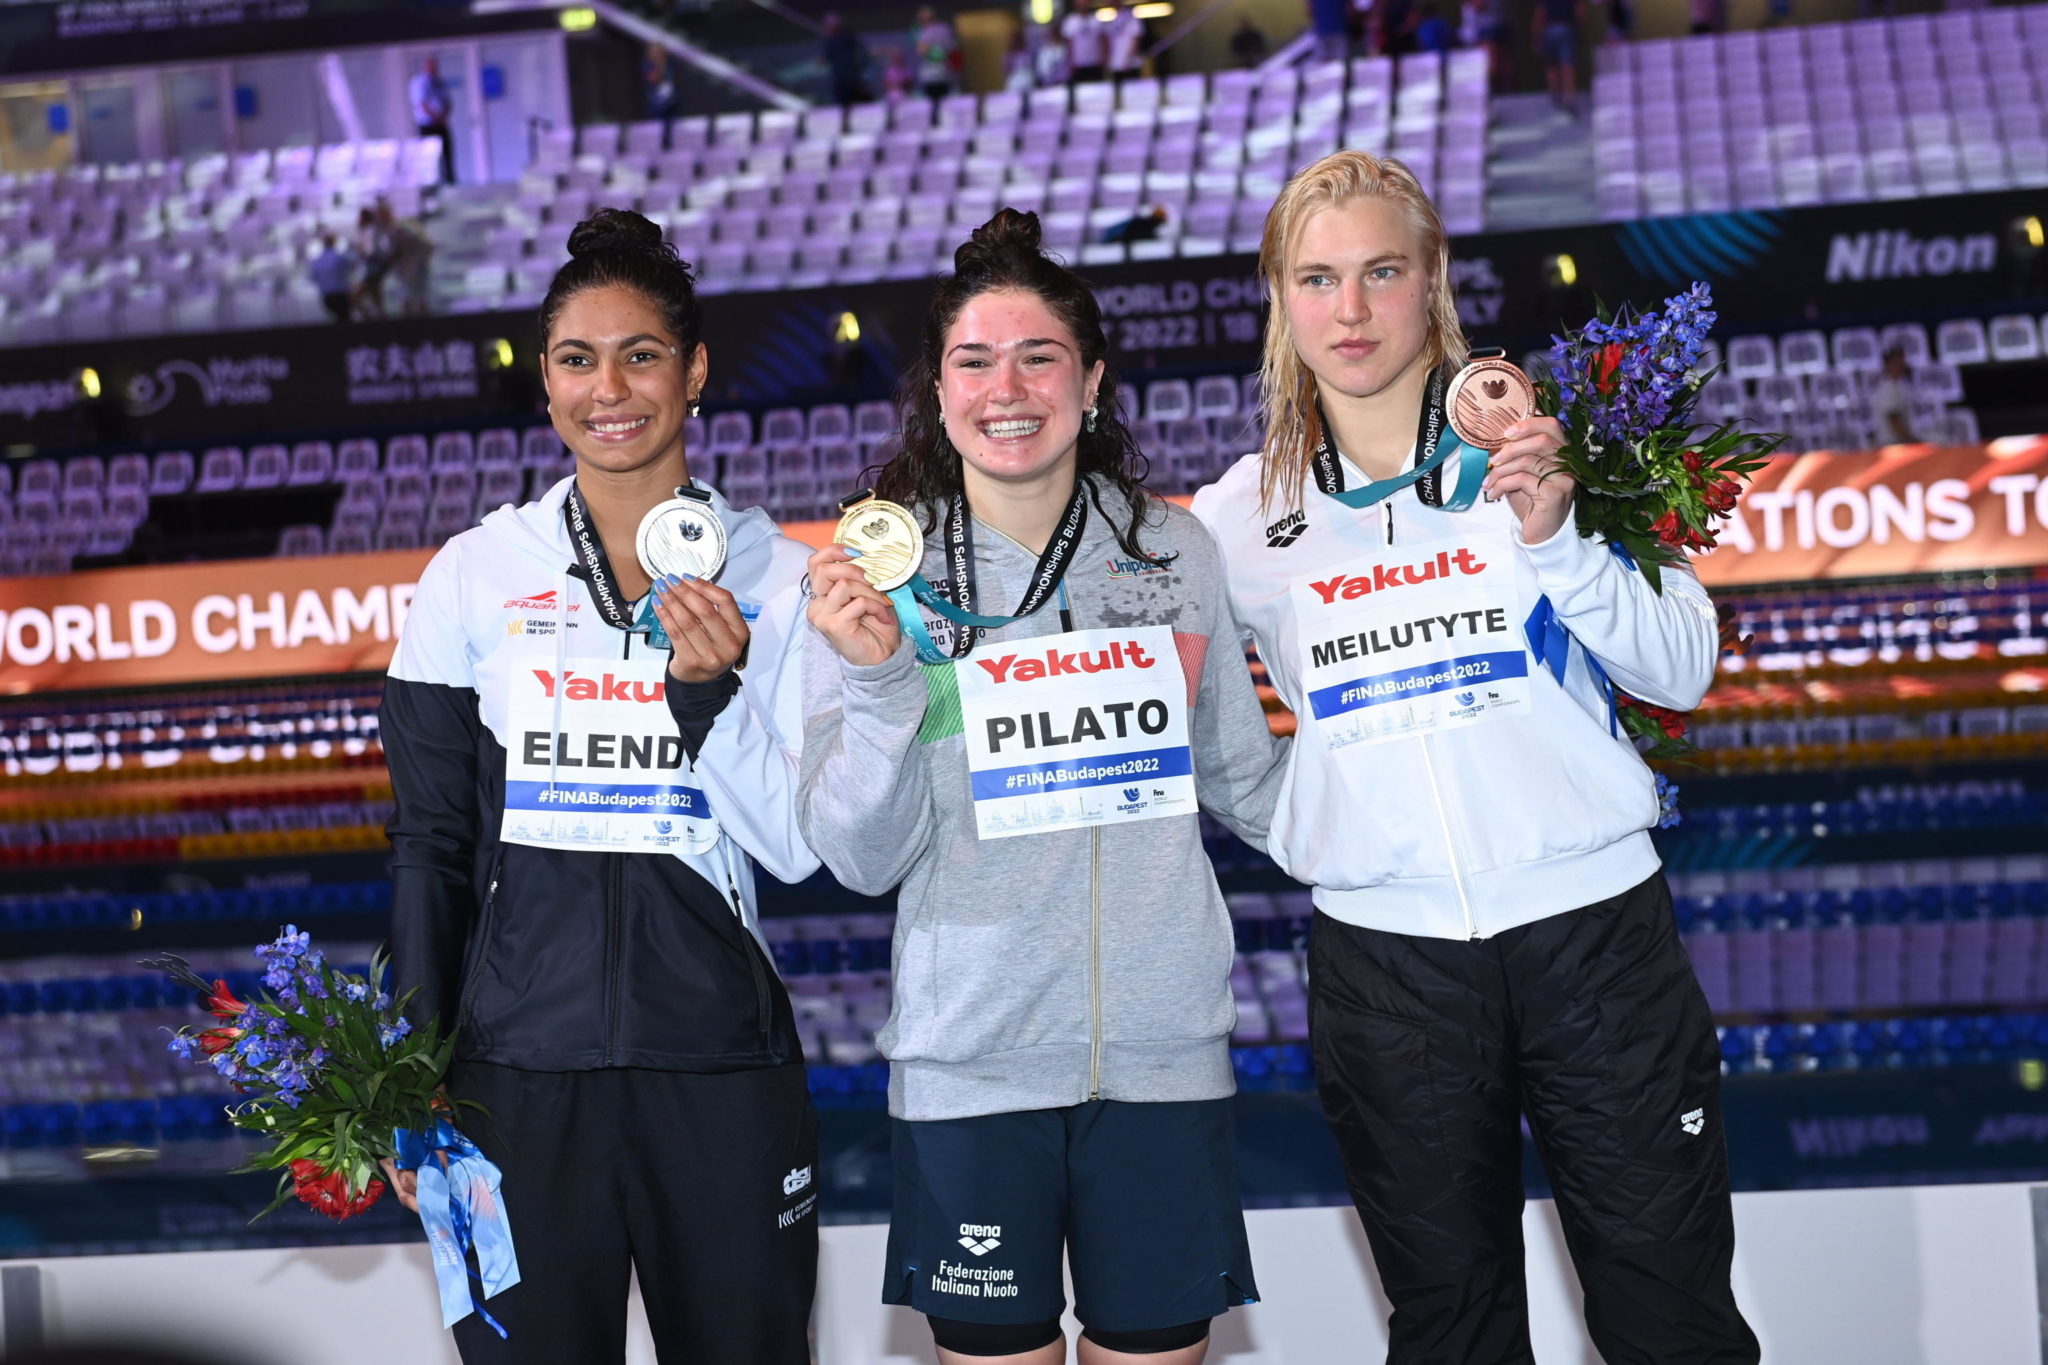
(1142, 1197)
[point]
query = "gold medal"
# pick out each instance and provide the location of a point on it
(890, 544)
(1486, 398)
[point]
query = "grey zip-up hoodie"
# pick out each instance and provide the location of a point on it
(1046, 969)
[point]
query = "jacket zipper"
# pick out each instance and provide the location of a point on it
(616, 949)
(753, 950)
(1436, 795)
(465, 1004)
(1095, 962)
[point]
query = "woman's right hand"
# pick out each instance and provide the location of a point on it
(404, 1184)
(848, 611)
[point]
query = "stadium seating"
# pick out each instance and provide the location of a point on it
(1894, 108)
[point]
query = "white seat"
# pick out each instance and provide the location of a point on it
(1908, 338)
(1961, 341)
(453, 450)
(1856, 350)
(1168, 400)
(220, 470)
(312, 462)
(267, 466)
(170, 473)
(2014, 337)
(355, 460)
(1803, 353)
(406, 455)
(730, 431)
(1938, 383)
(1751, 358)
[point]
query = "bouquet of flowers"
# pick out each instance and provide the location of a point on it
(1649, 480)
(331, 1070)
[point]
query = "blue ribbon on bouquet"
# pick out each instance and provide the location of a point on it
(462, 1211)
(1551, 642)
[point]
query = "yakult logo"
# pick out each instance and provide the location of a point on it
(605, 687)
(1055, 663)
(1385, 576)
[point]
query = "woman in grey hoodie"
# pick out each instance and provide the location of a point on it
(1059, 1042)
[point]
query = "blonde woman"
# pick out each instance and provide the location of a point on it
(1493, 938)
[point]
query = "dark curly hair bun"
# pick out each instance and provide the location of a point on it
(620, 247)
(1011, 233)
(609, 230)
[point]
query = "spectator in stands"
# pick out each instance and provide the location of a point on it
(1020, 69)
(1891, 398)
(611, 1006)
(938, 54)
(1621, 21)
(1123, 42)
(1082, 32)
(1331, 22)
(1142, 226)
(1248, 45)
(411, 254)
(1365, 27)
(1397, 22)
(1557, 42)
(331, 270)
(846, 62)
(657, 75)
(430, 110)
(1433, 31)
(1495, 942)
(373, 249)
(1709, 16)
(897, 76)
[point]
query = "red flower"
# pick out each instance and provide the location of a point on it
(1604, 366)
(216, 1040)
(325, 1191)
(1691, 459)
(1672, 723)
(1720, 495)
(222, 1003)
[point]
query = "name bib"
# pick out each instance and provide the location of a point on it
(1085, 728)
(1412, 640)
(593, 761)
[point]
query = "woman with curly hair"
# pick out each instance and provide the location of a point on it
(1059, 1040)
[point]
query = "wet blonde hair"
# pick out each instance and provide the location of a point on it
(1294, 427)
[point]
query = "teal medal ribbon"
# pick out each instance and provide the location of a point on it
(957, 606)
(463, 1214)
(657, 638)
(1435, 443)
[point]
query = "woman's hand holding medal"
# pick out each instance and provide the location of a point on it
(1527, 472)
(706, 632)
(849, 611)
(1492, 406)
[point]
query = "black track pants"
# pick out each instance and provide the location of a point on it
(704, 1184)
(1428, 1052)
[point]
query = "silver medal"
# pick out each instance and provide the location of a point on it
(682, 536)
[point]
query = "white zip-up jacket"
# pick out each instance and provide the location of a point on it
(1469, 831)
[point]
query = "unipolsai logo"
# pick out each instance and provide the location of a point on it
(220, 382)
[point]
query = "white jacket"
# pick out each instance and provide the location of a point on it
(1468, 831)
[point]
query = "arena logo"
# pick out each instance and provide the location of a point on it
(1895, 255)
(220, 382)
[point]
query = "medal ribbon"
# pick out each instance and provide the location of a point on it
(462, 1211)
(957, 605)
(1435, 443)
(593, 565)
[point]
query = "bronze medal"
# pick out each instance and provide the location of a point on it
(1486, 398)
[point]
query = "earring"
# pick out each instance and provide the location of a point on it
(694, 405)
(1089, 420)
